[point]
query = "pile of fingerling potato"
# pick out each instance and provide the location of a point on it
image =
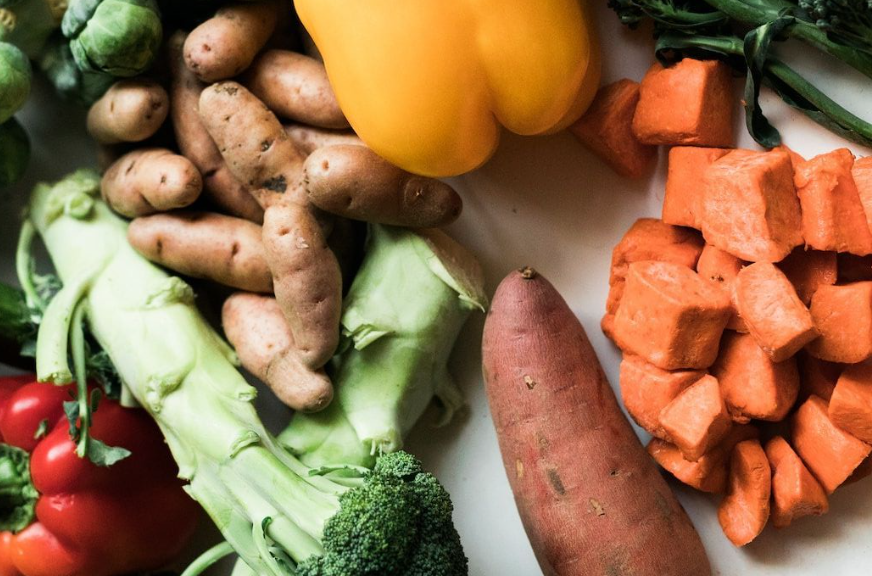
(236, 165)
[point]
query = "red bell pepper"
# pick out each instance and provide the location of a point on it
(62, 515)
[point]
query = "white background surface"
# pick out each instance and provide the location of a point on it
(547, 203)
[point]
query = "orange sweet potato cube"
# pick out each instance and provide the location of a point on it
(607, 325)
(670, 316)
(689, 103)
(843, 315)
(682, 204)
(862, 173)
(816, 376)
(697, 419)
(807, 270)
(606, 130)
(832, 214)
(750, 207)
(795, 491)
(647, 390)
(851, 402)
(744, 511)
(775, 316)
(709, 473)
(721, 268)
(853, 268)
(830, 453)
(650, 239)
(795, 158)
(752, 384)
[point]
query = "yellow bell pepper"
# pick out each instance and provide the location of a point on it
(428, 83)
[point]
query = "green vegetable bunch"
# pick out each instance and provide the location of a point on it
(742, 32)
(117, 37)
(15, 76)
(282, 517)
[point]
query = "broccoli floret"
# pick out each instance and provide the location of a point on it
(398, 522)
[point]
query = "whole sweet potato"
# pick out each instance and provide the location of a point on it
(256, 327)
(354, 182)
(295, 86)
(150, 180)
(224, 45)
(222, 248)
(592, 501)
(130, 111)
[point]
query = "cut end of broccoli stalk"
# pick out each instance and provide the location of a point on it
(276, 513)
(402, 315)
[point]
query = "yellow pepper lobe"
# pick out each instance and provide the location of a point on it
(429, 84)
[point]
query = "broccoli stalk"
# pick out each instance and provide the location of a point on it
(402, 315)
(280, 516)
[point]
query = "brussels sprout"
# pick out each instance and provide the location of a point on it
(14, 80)
(117, 37)
(29, 23)
(60, 67)
(14, 151)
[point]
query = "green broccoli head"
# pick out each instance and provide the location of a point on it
(117, 37)
(398, 522)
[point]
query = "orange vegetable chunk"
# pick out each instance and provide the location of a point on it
(670, 316)
(795, 491)
(697, 419)
(721, 267)
(862, 173)
(808, 270)
(843, 315)
(606, 130)
(750, 207)
(744, 511)
(832, 214)
(752, 384)
(647, 390)
(795, 158)
(650, 239)
(775, 316)
(817, 376)
(682, 204)
(709, 473)
(830, 453)
(689, 103)
(851, 402)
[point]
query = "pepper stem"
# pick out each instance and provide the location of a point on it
(17, 494)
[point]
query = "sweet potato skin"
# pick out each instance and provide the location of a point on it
(130, 111)
(553, 409)
(225, 249)
(354, 182)
(295, 86)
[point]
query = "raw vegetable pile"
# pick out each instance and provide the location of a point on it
(228, 151)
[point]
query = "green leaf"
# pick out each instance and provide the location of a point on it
(41, 430)
(71, 409)
(105, 456)
(756, 48)
(17, 495)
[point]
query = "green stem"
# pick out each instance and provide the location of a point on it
(52, 362)
(208, 558)
(24, 266)
(77, 346)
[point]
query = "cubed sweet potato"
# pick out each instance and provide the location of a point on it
(650, 239)
(682, 204)
(647, 389)
(689, 103)
(709, 473)
(851, 403)
(697, 419)
(843, 315)
(832, 214)
(830, 453)
(670, 316)
(606, 130)
(750, 207)
(862, 173)
(853, 268)
(752, 384)
(776, 318)
(795, 491)
(816, 376)
(795, 158)
(808, 270)
(744, 511)
(721, 268)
